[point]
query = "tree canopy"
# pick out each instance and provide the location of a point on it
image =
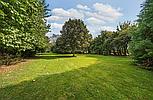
(23, 27)
(113, 43)
(142, 38)
(74, 37)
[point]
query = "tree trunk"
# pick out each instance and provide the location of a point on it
(125, 51)
(73, 55)
(114, 52)
(73, 52)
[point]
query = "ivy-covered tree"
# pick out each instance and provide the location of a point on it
(142, 38)
(74, 37)
(23, 27)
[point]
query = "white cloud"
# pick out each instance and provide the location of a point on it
(95, 21)
(70, 13)
(60, 12)
(95, 30)
(79, 6)
(55, 29)
(107, 10)
(75, 13)
(54, 18)
(98, 16)
(101, 11)
(56, 25)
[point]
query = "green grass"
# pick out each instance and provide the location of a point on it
(86, 77)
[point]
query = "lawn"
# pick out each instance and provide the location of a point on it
(85, 77)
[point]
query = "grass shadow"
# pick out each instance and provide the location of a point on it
(48, 87)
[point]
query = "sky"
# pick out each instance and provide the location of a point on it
(98, 15)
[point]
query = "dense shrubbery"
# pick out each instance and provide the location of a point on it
(22, 28)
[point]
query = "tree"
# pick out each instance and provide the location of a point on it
(142, 38)
(74, 37)
(23, 27)
(123, 37)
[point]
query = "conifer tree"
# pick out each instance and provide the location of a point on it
(142, 39)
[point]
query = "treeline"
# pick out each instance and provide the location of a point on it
(23, 27)
(113, 43)
(75, 38)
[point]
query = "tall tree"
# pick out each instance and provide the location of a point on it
(74, 36)
(22, 27)
(142, 39)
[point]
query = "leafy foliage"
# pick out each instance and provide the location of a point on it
(142, 38)
(22, 27)
(74, 37)
(113, 43)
